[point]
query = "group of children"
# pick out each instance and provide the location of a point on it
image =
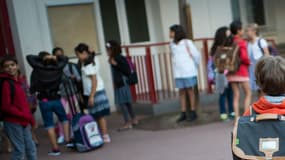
(51, 73)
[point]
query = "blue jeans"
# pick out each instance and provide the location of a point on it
(227, 96)
(21, 139)
(47, 110)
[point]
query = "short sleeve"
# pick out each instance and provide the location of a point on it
(90, 70)
(263, 43)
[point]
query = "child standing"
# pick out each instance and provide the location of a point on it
(120, 70)
(256, 47)
(16, 113)
(270, 77)
(93, 88)
(185, 59)
(241, 77)
(222, 86)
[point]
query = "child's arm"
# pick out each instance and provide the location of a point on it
(33, 60)
(243, 53)
(93, 90)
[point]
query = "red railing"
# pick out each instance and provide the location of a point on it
(154, 69)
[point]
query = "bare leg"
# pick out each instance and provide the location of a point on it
(235, 87)
(66, 131)
(103, 125)
(182, 96)
(192, 99)
(247, 91)
(52, 138)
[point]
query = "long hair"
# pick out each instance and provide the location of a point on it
(179, 32)
(220, 39)
(115, 47)
(81, 47)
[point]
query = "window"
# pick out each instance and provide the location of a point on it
(257, 12)
(235, 9)
(137, 20)
(110, 20)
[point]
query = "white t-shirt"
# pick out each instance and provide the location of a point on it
(183, 65)
(87, 72)
(254, 51)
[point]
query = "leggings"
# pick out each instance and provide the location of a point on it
(127, 111)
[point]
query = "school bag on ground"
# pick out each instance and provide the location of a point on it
(86, 133)
(227, 59)
(259, 137)
(12, 92)
(272, 50)
(133, 77)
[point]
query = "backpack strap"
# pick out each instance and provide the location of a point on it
(259, 45)
(70, 68)
(12, 89)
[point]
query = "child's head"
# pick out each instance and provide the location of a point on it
(252, 30)
(57, 51)
(83, 53)
(176, 32)
(236, 28)
(9, 65)
(270, 75)
(113, 48)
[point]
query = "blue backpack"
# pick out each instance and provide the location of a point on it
(272, 50)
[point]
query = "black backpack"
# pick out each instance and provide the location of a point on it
(12, 92)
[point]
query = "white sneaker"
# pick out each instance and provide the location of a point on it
(107, 138)
(60, 140)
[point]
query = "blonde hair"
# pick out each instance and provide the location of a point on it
(270, 75)
(254, 26)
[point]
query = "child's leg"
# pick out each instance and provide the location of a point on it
(235, 87)
(103, 125)
(16, 136)
(52, 138)
(125, 113)
(182, 96)
(222, 105)
(132, 113)
(247, 90)
(61, 114)
(31, 151)
(191, 96)
(230, 97)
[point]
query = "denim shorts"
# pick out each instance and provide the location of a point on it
(48, 108)
(185, 82)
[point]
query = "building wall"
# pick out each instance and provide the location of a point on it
(208, 15)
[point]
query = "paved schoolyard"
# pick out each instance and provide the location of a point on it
(205, 142)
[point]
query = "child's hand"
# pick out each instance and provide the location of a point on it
(113, 62)
(91, 102)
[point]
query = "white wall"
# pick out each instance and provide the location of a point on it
(31, 33)
(208, 15)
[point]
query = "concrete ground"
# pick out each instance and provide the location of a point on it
(204, 142)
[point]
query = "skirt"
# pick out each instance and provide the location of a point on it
(123, 95)
(236, 78)
(101, 106)
(185, 82)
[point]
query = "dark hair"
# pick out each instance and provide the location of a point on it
(6, 59)
(270, 75)
(179, 32)
(220, 39)
(80, 48)
(43, 54)
(57, 49)
(235, 26)
(115, 47)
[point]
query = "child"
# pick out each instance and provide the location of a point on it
(120, 68)
(270, 77)
(45, 80)
(93, 88)
(241, 77)
(16, 113)
(222, 86)
(256, 47)
(71, 72)
(185, 59)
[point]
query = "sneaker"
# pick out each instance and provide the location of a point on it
(193, 116)
(232, 115)
(60, 140)
(69, 145)
(54, 152)
(107, 138)
(182, 117)
(223, 117)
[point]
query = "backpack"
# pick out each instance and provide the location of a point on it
(259, 136)
(227, 59)
(12, 92)
(132, 77)
(272, 50)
